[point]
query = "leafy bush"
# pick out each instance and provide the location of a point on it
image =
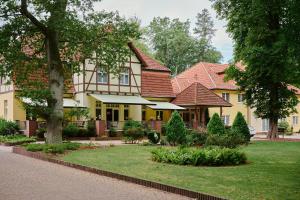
(240, 127)
(132, 124)
(285, 125)
(192, 156)
(71, 130)
(8, 127)
(112, 132)
(153, 136)
(40, 132)
(16, 139)
(91, 128)
(195, 137)
(175, 130)
(53, 148)
(133, 134)
(225, 140)
(215, 125)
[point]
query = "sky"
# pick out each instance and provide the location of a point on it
(146, 10)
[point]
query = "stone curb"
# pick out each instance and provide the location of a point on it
(151, 184)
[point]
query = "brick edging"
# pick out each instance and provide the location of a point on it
(151, 184)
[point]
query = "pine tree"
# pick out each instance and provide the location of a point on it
(215, 125)
(175, 129)
(240, 126)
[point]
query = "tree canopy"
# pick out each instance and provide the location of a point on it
(175, 45)
(266, 37)
(52, 38)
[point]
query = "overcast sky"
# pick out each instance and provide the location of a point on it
(146, 10)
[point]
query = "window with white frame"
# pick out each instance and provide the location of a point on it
(226, 120)
(241, 97)
(295, 120)
(265, 124)
(225, 96)
(102, 76)
(124, 77)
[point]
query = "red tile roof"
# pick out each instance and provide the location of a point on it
(198, 95)
(156, 84)
(148, 63)
(208, 74)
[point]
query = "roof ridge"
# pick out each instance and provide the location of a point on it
(208, 75)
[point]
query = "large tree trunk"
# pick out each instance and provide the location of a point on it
(56, 86)
(273, 131)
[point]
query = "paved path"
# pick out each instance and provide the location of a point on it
(23, 178)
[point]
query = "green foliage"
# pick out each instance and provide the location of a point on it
(133, 134)
(204, 26)
(153, 136)
(8, 127)
(266, 38)
(215, 125)
(112, 132)
(40, 132)
(240, 126)
(197, 157)
(53, 148)
(91, 128)
(176, 47)
(175, 130)
(16, 139)
(132, 124)
(77, 112)
(196, 138)
(71, 130)
(228, 140)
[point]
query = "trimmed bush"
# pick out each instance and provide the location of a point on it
(91, 128)
(197, 157)
(133, 134)
(132, 124)
(227, 140)
(8, 127)
(153, 136)
(16, 139)
(53, 148)
(112, 132)
(240, 127)
(175, 130)
(195, 137)
(215, 125)
(71, 130)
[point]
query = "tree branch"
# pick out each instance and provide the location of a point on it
(34, 20)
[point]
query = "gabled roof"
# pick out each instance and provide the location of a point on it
(156, 84)
(210, 75)
(148, 62)
(198, 95)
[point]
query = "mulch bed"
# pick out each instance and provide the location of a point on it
(151, 184)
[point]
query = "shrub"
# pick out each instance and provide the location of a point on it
(175, 130)
(40, 132)
(112, 132)
(153, 136)
(192, 156)
(133, 134)
(196, 137)
(91, 128)
(132, 124)
(215, 125)
(8, 127)
(16, 139)
(285, 125)
(240, 127)
(226, 140)
(53, 148)
(71, 130)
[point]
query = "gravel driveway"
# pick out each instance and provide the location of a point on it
(24, 178)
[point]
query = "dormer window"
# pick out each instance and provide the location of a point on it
(225, 96)
(102, 76)
(124, 77)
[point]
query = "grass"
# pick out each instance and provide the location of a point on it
(273, 171)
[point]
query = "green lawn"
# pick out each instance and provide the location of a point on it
(273, 171)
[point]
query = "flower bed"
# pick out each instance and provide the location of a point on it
(10, 140)
(192, 156)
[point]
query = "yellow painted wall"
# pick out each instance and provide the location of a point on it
(231, 111)
(151, 114)
(19, 111)
(15, 110)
